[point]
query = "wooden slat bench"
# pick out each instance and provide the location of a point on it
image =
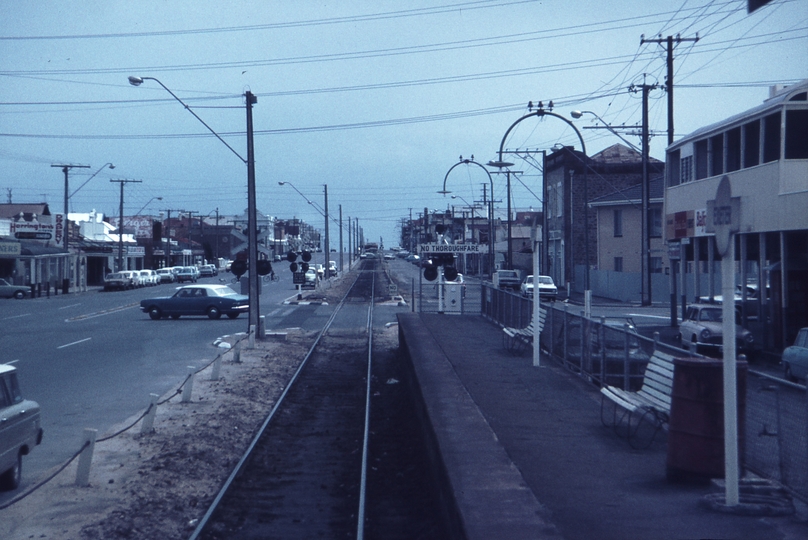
(516, 340)
(652, 402)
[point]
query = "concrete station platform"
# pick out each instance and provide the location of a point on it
(524, 454)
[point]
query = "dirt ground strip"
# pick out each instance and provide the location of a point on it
(155, 485)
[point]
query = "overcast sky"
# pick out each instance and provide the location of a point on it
(375, 99)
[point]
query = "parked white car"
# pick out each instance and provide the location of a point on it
(133, 275)
(545, 285)
(20, 428)
(149, 278)
(165, 275)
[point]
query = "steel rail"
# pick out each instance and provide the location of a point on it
(360, 520)
(239, 466)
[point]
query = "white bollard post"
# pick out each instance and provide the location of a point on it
(217, 366)
(86, 458)
(262, 327)
(237, 353)
(189, 385)
(147, 426)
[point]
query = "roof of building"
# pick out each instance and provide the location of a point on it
(633, 195)
(778, 97)
(13, 210)
(619, 153)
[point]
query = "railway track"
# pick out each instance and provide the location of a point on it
(309, 473)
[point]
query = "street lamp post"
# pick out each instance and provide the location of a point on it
(66, 171)
(252, 212)
(444, 192)
(540, 112)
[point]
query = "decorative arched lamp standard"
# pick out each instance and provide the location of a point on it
(252, 213)
(444, 192)
(540, 112)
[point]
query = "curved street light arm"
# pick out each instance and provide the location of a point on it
(111, 166)
(578, 114)
(137, 81)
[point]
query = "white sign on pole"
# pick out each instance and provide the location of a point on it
(450, 248)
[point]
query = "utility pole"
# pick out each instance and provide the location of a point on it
(217, 237)
(252, 218)
(66, 170)
(340, 238)
(646, 195)
(669, 79)
(326, 245)
(122, 182)
(190, 226)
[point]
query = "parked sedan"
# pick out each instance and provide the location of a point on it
(7, 290)
(20, 428)
(545, 285)
(118, 280)
(210, 300)
(703, 326)
(186, 273)
(166, 275)
(795, 358)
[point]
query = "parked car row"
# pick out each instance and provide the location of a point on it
(131, 279)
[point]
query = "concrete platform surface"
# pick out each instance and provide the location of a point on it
(526, 454)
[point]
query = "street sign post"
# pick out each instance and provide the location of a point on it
(723, 218)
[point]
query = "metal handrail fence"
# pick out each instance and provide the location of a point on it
(608, 353)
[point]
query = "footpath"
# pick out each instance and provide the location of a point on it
(525, 454)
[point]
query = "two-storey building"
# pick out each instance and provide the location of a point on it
(764, 153)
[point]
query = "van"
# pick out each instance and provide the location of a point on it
(507, 279)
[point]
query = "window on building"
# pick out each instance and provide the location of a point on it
(797, 134)
(734, 149)
(701, 154)
(655, 218)
(771, 138)
(655, 265)
(673, 167)
(618, 223)
(751, 144)
(717, 154)
(618, 264)
(686, 169)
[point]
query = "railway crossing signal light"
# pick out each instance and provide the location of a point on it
(446, 260)
(238, 267)
(291, 256)
(264, 267)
